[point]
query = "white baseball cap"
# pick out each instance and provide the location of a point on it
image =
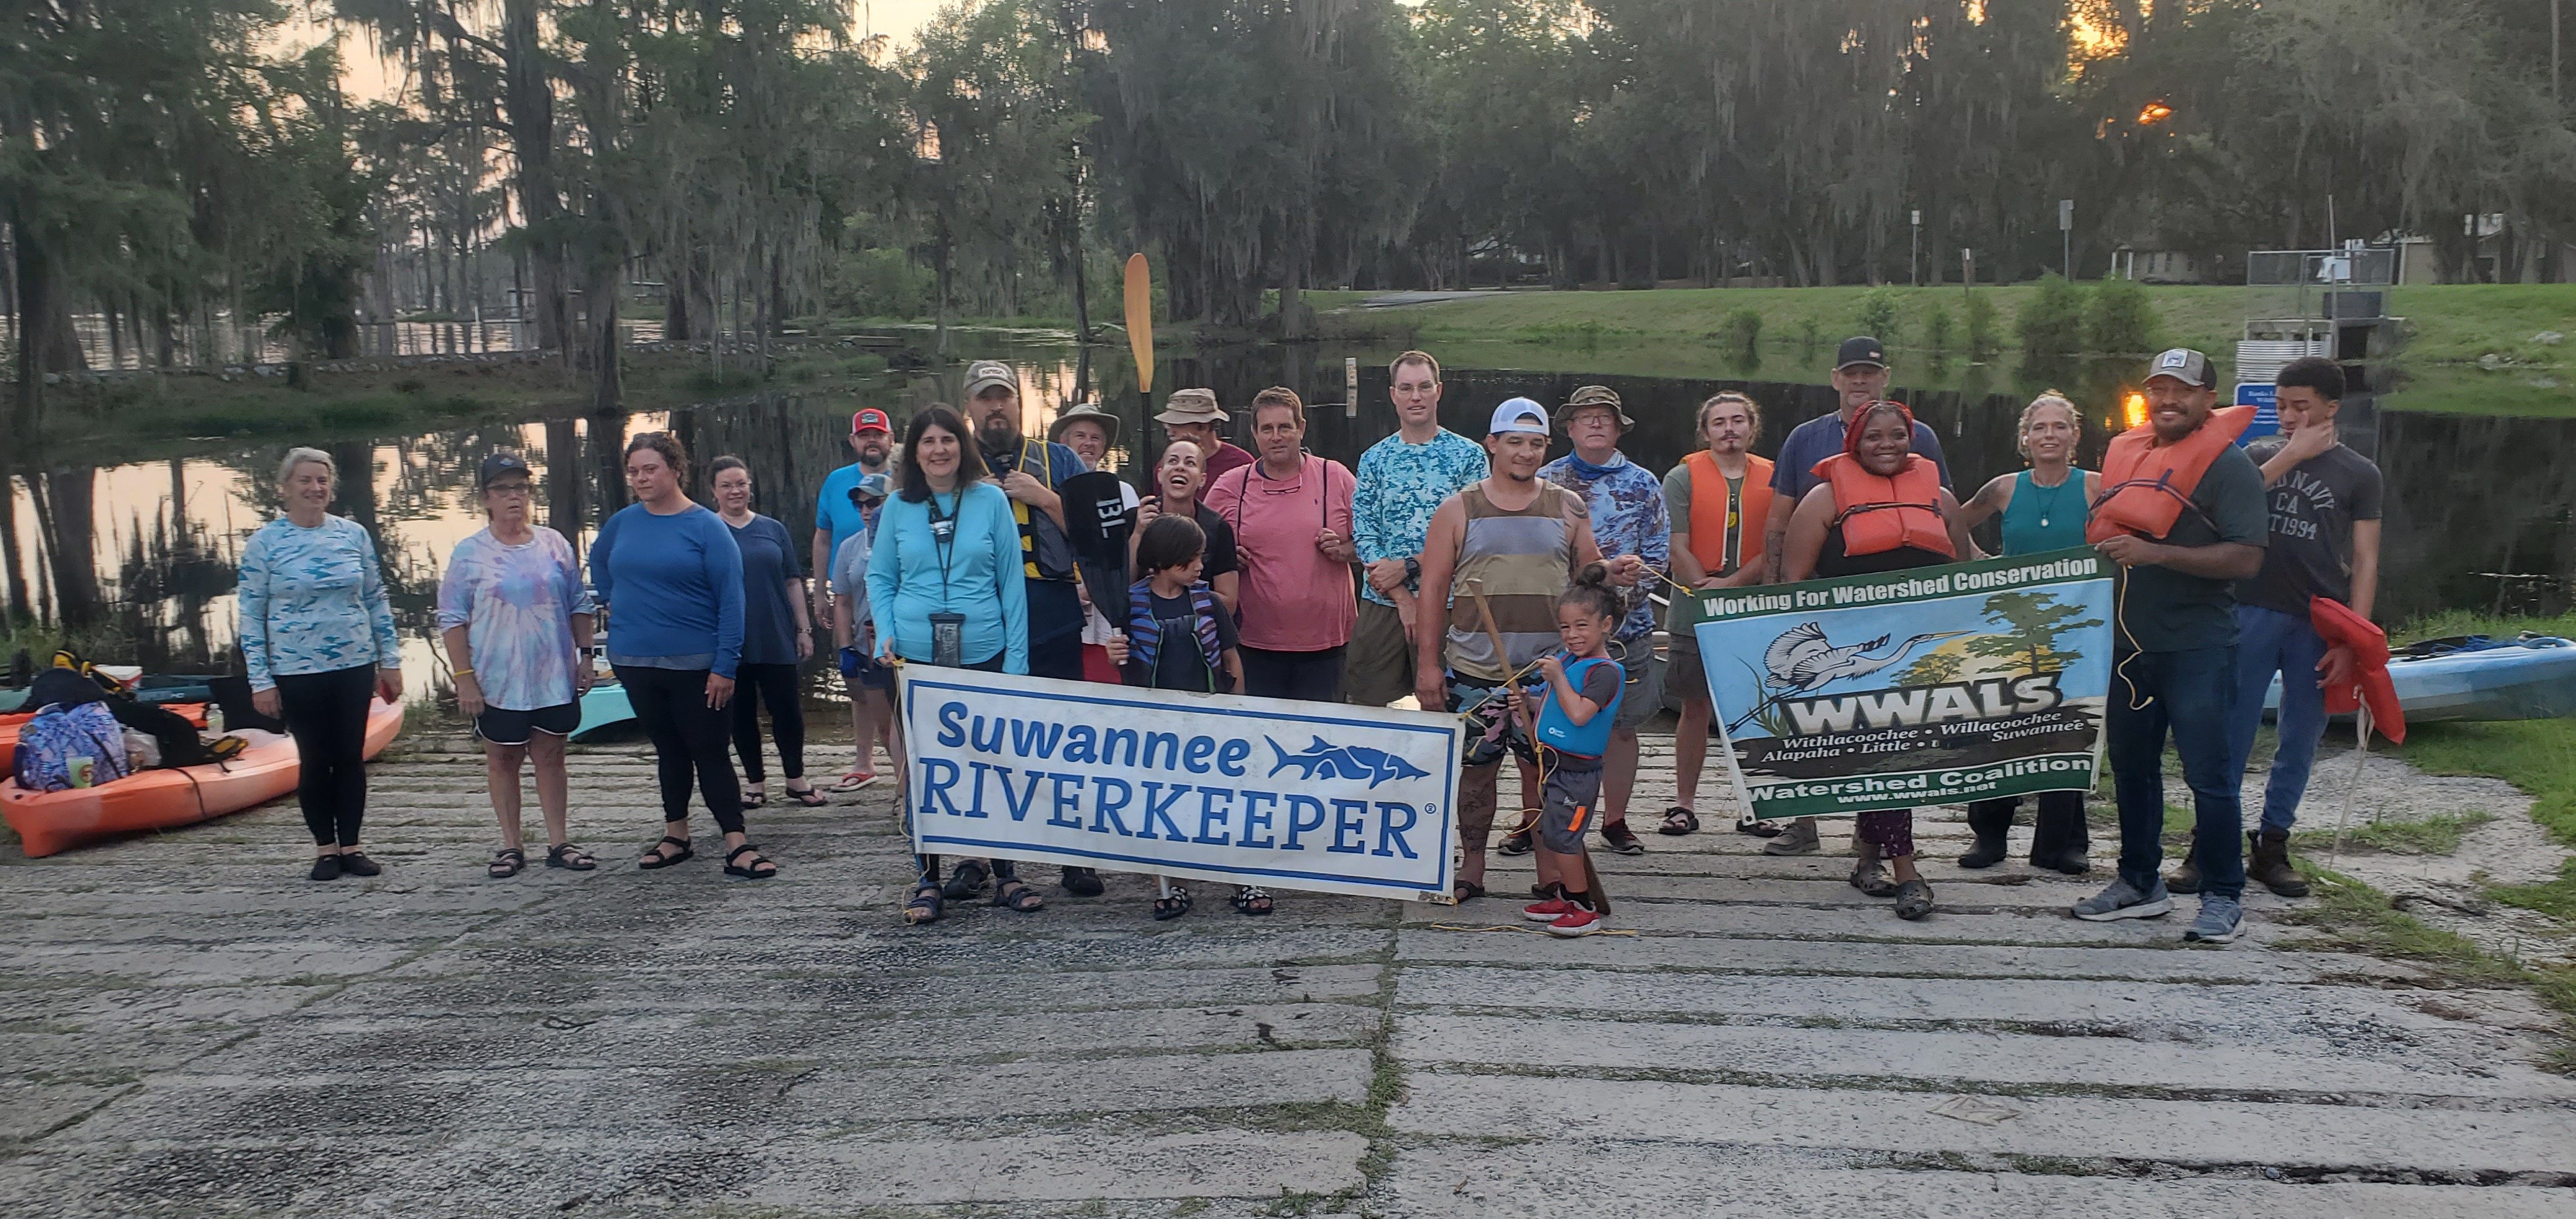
(1519, 415)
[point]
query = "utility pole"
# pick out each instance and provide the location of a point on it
(2066, 233)
(1914, 259)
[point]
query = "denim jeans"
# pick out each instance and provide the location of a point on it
(2269, 642)
(2189, 693)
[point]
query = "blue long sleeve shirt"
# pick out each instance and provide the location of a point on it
(981, 579)
(313, 601)
(673, 585)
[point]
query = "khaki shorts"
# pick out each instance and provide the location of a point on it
(1683, 677)
(1378, 667)
(1643, 696)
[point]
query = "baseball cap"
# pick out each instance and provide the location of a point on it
(872, 486)
(1519, 415)
(985, 374)
(870, 420)
(498, 464)
(1191, 406)
(2182, 364)
(1860, 349)
(1595, 395)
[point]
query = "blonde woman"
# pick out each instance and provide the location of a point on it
(2043, 508)
(317, 636)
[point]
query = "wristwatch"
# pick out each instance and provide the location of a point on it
(1412, 572)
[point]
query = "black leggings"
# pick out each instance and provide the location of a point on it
(326, 713)
(776, 686)
(686, 733)
(2058, 825)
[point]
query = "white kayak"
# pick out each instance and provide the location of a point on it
(2478, 678)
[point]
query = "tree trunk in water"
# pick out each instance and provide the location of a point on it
(605, 389)
(64, 512)
(563, 477)
(21, 610)
(675, 300)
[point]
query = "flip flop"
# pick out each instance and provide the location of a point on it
(854, 780)
(809, 797)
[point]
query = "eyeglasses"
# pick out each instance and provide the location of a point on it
(507, 488)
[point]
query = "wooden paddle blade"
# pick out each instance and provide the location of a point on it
(1140, 321)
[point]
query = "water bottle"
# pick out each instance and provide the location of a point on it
(214, 719)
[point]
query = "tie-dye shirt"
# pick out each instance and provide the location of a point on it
(516, 604)
(1629, 516)
(1400, 486)
(313, 601)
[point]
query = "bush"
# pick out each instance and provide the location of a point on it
(1811, 336)
(1937, 331)
(1983, 342)
(1741, 331)
(2051, 324)
(2120, 321)
(1878, 315)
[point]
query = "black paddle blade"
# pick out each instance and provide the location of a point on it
(1097, 522)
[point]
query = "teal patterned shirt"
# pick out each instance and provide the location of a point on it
(313, 601)
(1400, 486)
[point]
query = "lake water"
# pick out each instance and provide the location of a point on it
(2468, 496)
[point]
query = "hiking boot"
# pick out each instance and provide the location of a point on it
(1618, 837)
(2270, 863)
(2186, 879)
(2220, 919)
(1798, 839)
(1991, 821)
(2069, 860)
(2123, 900)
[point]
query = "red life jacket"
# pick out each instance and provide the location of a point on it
(1881, 514)
(2146, 486)
(2371, 684)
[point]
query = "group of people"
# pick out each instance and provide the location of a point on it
(1476, 576)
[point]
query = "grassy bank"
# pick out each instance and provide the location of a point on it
(138, 417)
(2538, 756)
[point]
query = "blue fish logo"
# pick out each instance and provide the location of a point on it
(1328, 761)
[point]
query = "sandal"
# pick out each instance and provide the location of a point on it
(1173, 905)
(924, 906)
(656, 857)
(854, 780)
(809, 797)
(1873, 880)
(1013, 895)
(752, 870)
(1913, 900)
(1746, 824)
(963, 882)
(1469, 890)
(1679, 821)
(506, 863)
(567, 856)
(752, 800)
(1252, 899)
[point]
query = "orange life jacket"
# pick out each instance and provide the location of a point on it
(2146, 486)
(1881, 514)
(1709, 521)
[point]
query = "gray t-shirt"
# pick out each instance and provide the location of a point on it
(2313, 508)
(850, 575)
(2163, 610)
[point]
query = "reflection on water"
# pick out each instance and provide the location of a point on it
(2467, 495)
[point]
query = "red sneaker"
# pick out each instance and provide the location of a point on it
(1577, 921)
(1547, 911)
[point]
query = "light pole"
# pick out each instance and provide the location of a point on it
(1914, 258)
(2066, 232)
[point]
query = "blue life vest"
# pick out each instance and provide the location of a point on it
(1592, 738)
(1144, 632)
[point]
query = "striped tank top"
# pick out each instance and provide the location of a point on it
(1522, 560)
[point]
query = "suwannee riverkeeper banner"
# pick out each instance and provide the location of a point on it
(1252, 791)
(1935, 685)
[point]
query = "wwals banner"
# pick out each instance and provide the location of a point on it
(1253, 791)
(1928, 686)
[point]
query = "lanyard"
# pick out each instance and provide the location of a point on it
(943, 538)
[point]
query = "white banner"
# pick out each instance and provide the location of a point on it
(1252, 791)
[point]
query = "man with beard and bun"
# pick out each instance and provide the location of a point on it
(1860, 378)
(1507, 545)
(1029, 471)
(1403, 479)
(840, 514)
(1719, 500)
(2182, 513)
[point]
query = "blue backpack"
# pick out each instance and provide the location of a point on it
(48, 743)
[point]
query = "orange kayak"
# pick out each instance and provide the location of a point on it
(48, 822)
(194, 713)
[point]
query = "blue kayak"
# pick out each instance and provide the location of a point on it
(2478, 678)
(604, 707)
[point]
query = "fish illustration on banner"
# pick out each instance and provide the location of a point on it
(1932, 685)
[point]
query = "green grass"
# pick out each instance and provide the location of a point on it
(2538, 756)
(2430, 836)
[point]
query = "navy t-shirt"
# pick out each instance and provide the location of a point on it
(768, 563)
(1793, 472)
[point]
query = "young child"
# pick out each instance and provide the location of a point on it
(1573, 731)
(1179, 638)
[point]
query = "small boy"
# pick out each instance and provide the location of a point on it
(870, 684)
(1179, 637)
(1574, 726)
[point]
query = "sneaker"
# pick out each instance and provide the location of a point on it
(1621, 839)
(1516, 844)
(354, 863)
(1577, 921)
(1798, 839)
(326, 867)
(1548, 911)
(2220, 919)
(2123, 900)
(1082, 882)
